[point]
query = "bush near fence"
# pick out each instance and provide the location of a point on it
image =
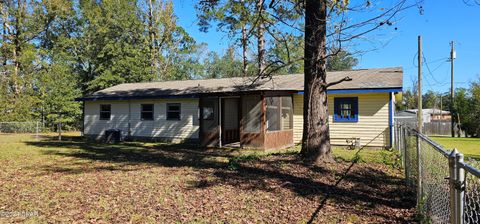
(448, 188)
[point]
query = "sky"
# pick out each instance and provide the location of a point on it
(440, 23)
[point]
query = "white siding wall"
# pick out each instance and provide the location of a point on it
(372, 126)
(186, 127)
(118, 118)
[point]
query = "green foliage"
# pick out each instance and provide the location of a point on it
(430, 100)
(283, 52)
(409, 100)
(217, 66)
(54, 51)
(112, 48)
(421, 215)
(341, 60)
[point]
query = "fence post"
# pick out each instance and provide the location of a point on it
(395, 139)
(36, 130)
(396, 135)
(452, 180)
(401, 145)
(459, 188)
(419, 171)
(407, 162)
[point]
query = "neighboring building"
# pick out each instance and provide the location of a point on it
(433, 115)
(406, 117)
(267, 114)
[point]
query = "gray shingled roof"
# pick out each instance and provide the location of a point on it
(361, 79)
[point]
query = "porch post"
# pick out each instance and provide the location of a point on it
(200, 120)
(240, 121)
(263, 119)
(219, 122)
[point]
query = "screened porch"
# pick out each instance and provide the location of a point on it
(261, 120)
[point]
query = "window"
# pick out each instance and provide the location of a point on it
(279, 113)
(251, 109)
(345, 109)
(287, 113)
(173, 111)
(147, 112)
(105, 111)
(273, 113)
(208, 112)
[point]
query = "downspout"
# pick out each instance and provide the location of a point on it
(390, 118)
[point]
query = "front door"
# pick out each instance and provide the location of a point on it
(230, 120)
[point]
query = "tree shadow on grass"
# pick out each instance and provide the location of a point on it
(364, 184)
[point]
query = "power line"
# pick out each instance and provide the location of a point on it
(430, 71)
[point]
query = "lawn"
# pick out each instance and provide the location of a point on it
(74, 181)
(470, 147)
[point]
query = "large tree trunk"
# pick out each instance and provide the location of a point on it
(244, 51)
(244, 43)
(4, 33)
(17, 48)
(316, 138)
(151, 30)
(260, 39)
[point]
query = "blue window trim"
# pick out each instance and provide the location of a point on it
(336, 108)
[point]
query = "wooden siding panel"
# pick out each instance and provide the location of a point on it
(372, 126)
(278, 139)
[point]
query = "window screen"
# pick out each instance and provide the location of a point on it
(273, 113)
(147, 112)
(105, 111)
(251, 110)
(173, 111)
(279, 113)
(287, 113)
(210, 114)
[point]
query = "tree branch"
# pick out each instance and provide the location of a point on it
(345, 79)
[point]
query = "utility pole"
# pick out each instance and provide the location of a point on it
(452, 91)
(419, 111)
(441, 106)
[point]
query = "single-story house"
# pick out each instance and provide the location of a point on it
(266, 114)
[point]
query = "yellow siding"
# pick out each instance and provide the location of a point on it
(297, 118)
(372, 126)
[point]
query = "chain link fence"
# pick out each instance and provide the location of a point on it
(448, 189)
(20, 127)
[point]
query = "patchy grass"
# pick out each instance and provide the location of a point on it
(77, 181)
(470, 147)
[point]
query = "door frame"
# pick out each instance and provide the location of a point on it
(222, 117)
